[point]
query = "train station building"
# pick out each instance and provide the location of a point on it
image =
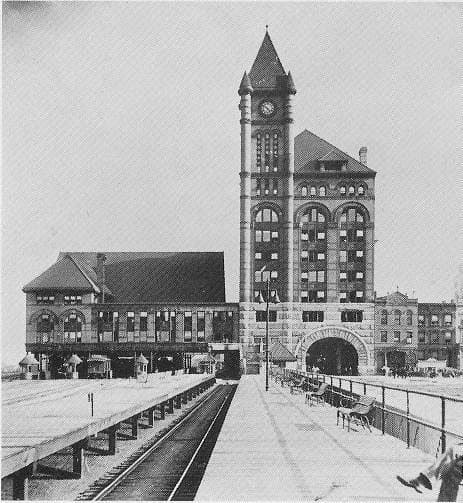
(116, 306)
(307, 235)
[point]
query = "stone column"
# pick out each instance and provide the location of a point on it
(245, 196)
(332, 257)
(369, 262)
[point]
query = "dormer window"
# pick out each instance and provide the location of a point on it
(361, 190)
(322, 191)
(351, 190)
(342, 190)
(313, 191)
(304, 191)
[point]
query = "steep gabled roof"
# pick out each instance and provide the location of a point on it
(63, 275)
(280, 353)
(310, 149)
(160, 276)
(267, 66)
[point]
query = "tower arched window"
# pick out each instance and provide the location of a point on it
(342, 190)
(259, 152)
(313, 229)
(352, 255)
(313, 191)
(275, 147)
(351, 190)
(397, 316)
(322, 191)
(304, 191)
(361, 190)
(266, 249)
(45, 328)
(409, 317)
(267, 152)
(73, 328)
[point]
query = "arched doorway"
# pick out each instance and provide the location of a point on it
(333, 356)
(363, 350)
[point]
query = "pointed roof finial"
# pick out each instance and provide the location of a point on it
(245, 86)
(266, 28)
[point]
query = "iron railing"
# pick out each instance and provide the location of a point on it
(399, 422)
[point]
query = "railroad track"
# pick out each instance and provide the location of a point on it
(170, 467)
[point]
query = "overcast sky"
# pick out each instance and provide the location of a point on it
(121, 129)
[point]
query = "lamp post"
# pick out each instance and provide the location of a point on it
(275, 300)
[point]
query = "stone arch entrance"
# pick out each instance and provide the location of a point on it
(338, 333)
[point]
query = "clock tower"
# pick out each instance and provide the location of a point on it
(267, 190)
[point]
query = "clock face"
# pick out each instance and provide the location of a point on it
(267, 108)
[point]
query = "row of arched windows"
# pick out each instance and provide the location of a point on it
(342, 190)
(45, 327)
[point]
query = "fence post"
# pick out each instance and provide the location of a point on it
(332, 390)
(350, 383)
(383, 393)
(408, 419)
(443, 442)
(364, 388)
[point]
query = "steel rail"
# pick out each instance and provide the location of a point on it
(107, 489)
(193, 457)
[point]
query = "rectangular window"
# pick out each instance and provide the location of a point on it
(343, 256)
(262, 316)
(409, 337)
(274, 275)
(312, 276)
(143, 322)
(304, 295)
(200, 326)
(312, 316)
(359, 255)
(320, 236)
(45, 299)
(342, 296)
(359, 295)
(258, 236)
(359, 275)
(421, 320)
(343, 235)
(320, 295)
(274, 235)
(266, 236)
(343, 276)
(258, 255)
(130, 322)
(320, 256)
(421, 337)
(434, 320)
(187, 326)
(304, 276)
(352, 316)
(275, 187)
(304, 254)
(447, 320)
(359, 235)
(274, 256)
(304, 236)
(383, 335)
(396, 336)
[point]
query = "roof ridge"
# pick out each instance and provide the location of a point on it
(84, 274)
(337, 148)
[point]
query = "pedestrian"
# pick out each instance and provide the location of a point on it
(448, 467)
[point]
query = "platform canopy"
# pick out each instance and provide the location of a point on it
(29, 360)
(280, 353)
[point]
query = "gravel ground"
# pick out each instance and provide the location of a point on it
(43, 486)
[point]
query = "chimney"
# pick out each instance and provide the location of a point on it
(363, 155)
(100, 272)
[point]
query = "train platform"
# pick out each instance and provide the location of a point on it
(40, 418)
(273, 446)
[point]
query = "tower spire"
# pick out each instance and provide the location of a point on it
(267, 67)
